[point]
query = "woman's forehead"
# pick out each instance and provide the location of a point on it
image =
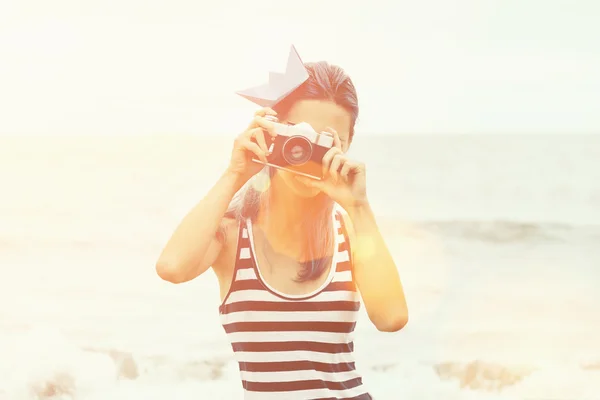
(321, 114)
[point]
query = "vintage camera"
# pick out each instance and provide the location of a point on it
(297, 148)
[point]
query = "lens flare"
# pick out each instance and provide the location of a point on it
(261, 182)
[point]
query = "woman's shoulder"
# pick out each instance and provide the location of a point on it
(227, 236)
(228, 229)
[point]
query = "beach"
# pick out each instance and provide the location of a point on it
(496, 237)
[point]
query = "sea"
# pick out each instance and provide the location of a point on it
(496, 238)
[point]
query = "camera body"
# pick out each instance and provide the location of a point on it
(297, 148)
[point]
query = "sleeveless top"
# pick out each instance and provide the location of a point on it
(294, 347)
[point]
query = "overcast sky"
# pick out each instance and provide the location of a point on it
(172, 66)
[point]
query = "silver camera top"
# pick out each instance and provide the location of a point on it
(304, 129)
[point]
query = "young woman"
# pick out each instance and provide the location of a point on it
(290, 265)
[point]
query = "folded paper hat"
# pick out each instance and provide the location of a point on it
(280, 85)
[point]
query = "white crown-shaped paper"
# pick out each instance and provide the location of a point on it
(280, 85)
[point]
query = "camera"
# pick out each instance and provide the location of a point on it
(297, 148)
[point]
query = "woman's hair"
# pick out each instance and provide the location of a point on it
(325, 82)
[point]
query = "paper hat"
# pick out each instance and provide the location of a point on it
(280, 85)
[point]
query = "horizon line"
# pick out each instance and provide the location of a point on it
(227, 135)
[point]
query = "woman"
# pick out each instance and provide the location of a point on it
(289, 265)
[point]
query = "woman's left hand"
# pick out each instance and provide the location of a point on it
(344, 180)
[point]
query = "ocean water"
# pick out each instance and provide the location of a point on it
(497, 239)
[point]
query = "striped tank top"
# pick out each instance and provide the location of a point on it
(294, 347)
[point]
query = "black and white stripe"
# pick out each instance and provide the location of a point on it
(294, 347)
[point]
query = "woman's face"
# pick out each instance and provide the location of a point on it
(320, 114)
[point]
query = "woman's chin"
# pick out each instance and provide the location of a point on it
(308, 192)
(299, 188)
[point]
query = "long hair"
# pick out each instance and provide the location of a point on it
(325, 82)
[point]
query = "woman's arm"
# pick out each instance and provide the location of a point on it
(194, 246)
(375, 272)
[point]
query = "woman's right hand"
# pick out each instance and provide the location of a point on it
(251, 144)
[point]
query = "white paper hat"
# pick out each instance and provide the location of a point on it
(280, 85)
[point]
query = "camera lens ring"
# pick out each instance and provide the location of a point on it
(297, 150)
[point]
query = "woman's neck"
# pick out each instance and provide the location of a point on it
(283, 217)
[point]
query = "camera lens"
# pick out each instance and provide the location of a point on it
(297, 150)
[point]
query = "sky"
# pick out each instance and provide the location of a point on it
(118, 67)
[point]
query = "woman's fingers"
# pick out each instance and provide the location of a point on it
(245, 141)
(265, 111)
(336, 163)
(328, 158)
(265, 124)
(335, 152)
(260, 120)
(255, 148)
(258, 135)
(337, 142)
(348, 167)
